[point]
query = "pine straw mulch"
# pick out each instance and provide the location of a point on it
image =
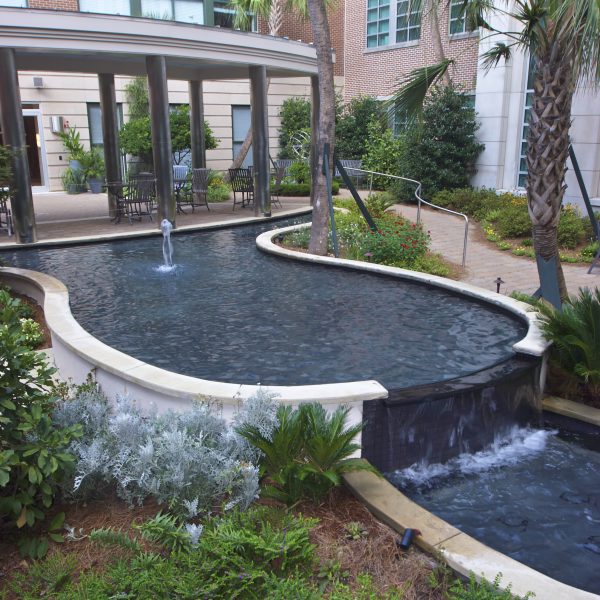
(375, 553)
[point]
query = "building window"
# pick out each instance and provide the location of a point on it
(408, 21)
(224, 15)
(185, 11)
(14, 3)
(378, 23)
(95, 123)
(383, 17)
(240, 117)
(523, 171)
(458, 19)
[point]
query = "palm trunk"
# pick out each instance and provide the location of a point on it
(547, 151)
(436, 36)
(325, 133)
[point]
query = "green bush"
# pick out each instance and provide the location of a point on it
(33, 451)
(441, 151)
(295, 117)
(218, 192)
(575, 334)
(572, 228)
(383, 154)
(303, 189)
(298, 172)
(513, 219)
(472, 202)
(307, 453)
(352, 127)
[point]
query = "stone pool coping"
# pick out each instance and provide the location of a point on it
(460, 551)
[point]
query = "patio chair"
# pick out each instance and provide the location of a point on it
(136, 198)
(277, 175)
(242, 183)
(5, 212)
(180, 181)
(200, 179)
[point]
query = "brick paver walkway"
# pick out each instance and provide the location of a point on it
(484, 261)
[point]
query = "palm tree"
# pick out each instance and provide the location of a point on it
(562, 38)
(317, 12)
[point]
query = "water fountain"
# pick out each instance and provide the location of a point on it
(167, 248)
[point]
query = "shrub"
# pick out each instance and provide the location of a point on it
(218, 192)
(575, 335)
(513, 217)
(383, 154)
(307, 452)
(352, 127)
(442, 150)
(474, 203)
(298, 172)
(295, 117)
(571, 227)
(33, 450)
(303, 189)
(190, 461)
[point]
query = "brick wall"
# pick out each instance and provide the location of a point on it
(55, 4)
(376, 72)
(297, 28)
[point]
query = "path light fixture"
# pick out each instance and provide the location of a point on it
(498, 283)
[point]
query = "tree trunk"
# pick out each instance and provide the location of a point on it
(436, 36)
(325, 133)
(547, 151)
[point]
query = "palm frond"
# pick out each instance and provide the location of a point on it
(411, 91)
(495, 54)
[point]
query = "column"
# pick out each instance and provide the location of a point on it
(13, 129)
(314, 132)
(260, 140)
(161, 136)
(197, 125)
(110, 135)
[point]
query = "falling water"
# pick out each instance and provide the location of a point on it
(167, 247)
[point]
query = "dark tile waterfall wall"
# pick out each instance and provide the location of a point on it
(434, 423)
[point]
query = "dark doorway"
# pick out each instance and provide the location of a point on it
(33, 150)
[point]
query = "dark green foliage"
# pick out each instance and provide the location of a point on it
(513, 219)
(475, 590)
(575, 334)
(307, 453)
(303, 189)
(474, 203)
(295, 117)
(136, 92)
(383, 154)
(33, 456)
(572, 228)
(72, 141)
(135, 136)
(6, 157)
(299, 172)
(441, 150)
(351, 130)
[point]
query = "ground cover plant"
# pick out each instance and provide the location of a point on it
(398, 242)
(505, 221)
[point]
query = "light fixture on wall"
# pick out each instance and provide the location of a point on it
(38, 82)
(57, 124)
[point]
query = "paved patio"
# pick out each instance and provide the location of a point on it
(60, 216)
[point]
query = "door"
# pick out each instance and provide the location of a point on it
(36, 150)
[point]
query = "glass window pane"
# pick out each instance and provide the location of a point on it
(372, 15)
(157, 9)
(384, 12)
(401, 36)
(95, 122)
(241, 122)
(371, 28)
(14, 3)
(189, 11)
(384, 26)
(107, 7)
(372, 3)
(384, 39)
(371, 41)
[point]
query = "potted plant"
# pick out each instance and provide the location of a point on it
(73, 181)
(72, 141)
(93, 167)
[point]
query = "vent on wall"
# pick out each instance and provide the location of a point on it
(38, 82)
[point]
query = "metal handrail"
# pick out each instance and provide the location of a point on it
(419, 201)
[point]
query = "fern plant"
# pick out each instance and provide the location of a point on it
(575, 334)
(307, 453)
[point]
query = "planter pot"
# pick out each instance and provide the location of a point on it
(75, 165)
(95, 185)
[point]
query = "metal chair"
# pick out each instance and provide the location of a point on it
(5, 212)
(242, 183)
(200, 178)
(277, 175)
(136, 198)
(180, 180)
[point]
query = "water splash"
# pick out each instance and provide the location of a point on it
(167, 247)
(517, 446)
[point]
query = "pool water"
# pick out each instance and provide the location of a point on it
(229, 312)
(534, 496)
